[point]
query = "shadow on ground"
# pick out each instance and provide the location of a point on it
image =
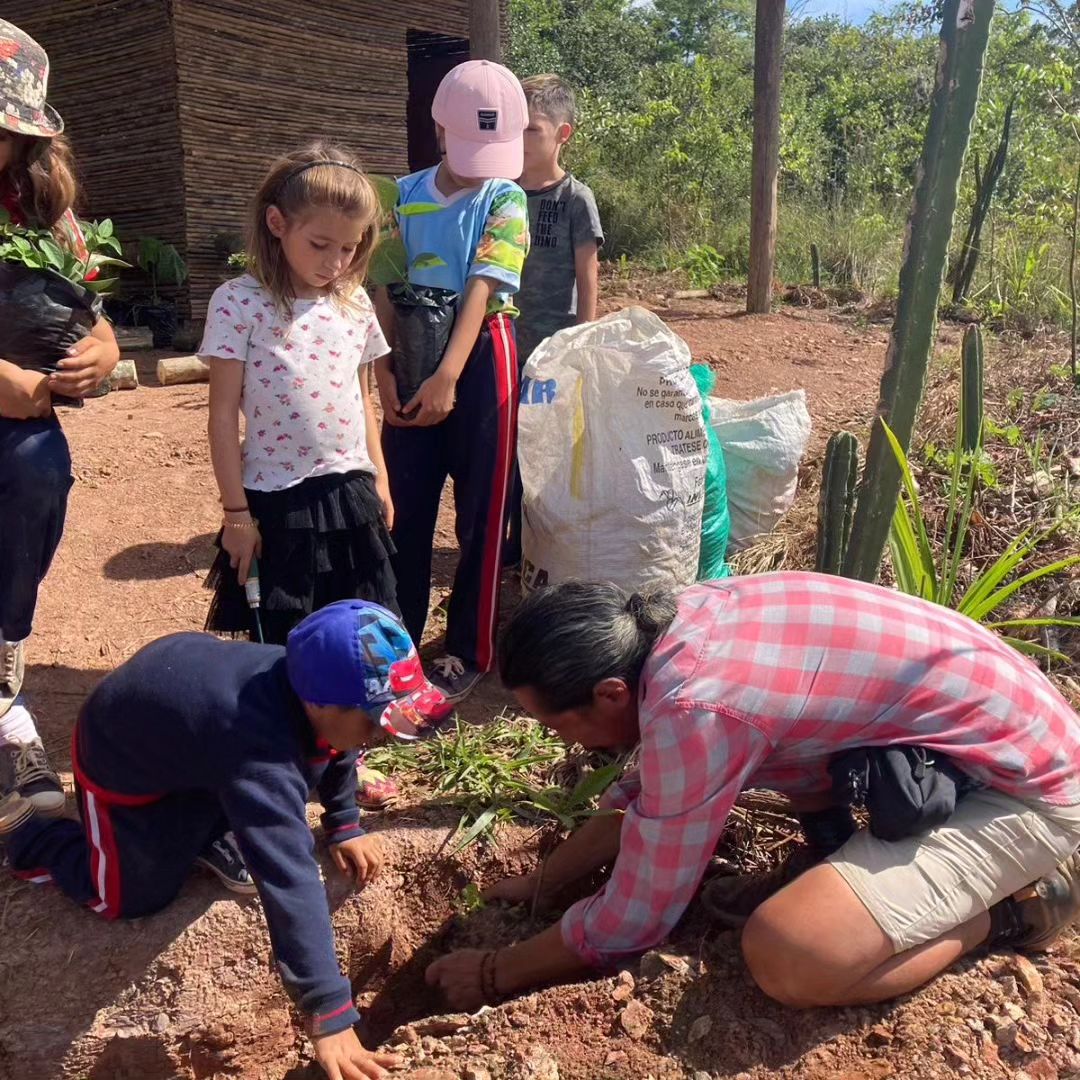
(157, 560)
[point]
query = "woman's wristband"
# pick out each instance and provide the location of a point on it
(488, 981)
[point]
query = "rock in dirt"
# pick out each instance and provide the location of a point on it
(635, 1019)
(700, 1028)
(439, 1027)
(475, 1072)
(1008, 986)
(1072, 995)
(702, 1075)
(624, 987)
(1039, 1069)
(538, 1064)
(616, 1057)
(656, 963)
(1028, 975)
(430, 1074)
(1005, 1030)
(879, 1035)
(956, 1056)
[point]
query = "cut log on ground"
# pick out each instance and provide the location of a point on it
(182, 369)
(124, 376)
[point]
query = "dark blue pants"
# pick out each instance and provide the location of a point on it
(474, 446)
(35, 478)
(122, 861)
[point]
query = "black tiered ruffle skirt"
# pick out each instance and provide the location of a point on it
(324, 539)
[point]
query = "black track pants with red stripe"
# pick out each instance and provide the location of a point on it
(474, 446)
(122, 861)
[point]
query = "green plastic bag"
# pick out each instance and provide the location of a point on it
(715, 522)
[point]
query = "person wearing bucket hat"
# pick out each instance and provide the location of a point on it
(449, 388)
(196, 744)
(37, 189)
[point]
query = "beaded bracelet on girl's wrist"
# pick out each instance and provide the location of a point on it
(251, 524)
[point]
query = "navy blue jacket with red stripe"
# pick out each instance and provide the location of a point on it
(193, 712)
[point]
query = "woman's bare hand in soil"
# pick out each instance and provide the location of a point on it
(360, 858)
(88, 364)
(458, 976)
(343, 1057)
(514, 890)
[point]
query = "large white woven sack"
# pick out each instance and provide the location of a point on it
(612, 451)
(763, 443)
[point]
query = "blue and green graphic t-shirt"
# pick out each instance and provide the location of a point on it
(478, 232)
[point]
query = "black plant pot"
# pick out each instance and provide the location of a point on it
(162, 321)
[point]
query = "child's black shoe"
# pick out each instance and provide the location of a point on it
(223, 859)
(454, 679)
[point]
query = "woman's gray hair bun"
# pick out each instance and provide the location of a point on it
(653, 611)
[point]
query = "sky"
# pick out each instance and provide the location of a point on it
(855, 11)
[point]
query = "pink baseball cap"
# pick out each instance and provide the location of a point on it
(483, 109)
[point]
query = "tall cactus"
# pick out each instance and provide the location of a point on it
(970, 423)
(965, 29)
(815, 266)
(836, 508)
(985, 183)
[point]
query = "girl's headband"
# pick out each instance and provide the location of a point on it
(315, 165)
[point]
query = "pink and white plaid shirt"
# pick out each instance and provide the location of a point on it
(760, 680)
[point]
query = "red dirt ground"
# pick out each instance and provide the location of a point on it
(191, 992)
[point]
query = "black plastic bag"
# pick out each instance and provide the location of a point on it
(425, 320)
(906, 790)
(42, 315)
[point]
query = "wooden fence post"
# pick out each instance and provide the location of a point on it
(485, 33)
(765, 160)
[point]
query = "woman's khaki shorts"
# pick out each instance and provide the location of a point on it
(919, 888)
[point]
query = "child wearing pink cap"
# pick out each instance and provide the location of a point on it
(449, 394)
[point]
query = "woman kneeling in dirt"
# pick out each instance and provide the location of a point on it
(761, 682)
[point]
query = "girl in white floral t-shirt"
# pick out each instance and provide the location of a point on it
(289, 346)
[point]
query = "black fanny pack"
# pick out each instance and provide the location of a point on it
(906, 790)
(425, 319)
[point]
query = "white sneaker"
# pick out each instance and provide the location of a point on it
(12, 672)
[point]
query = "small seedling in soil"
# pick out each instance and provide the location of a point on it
(469, 901)
(511, 768)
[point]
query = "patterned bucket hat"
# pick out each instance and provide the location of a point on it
(24, 80)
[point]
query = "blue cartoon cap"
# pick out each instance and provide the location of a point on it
(356, 654)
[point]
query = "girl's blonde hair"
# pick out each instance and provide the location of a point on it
(41, 175)
(339, 184)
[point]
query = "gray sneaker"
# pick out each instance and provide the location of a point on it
(454, 679)
(12, 672)
(25, 769)
(14, 810)
(1033, 918)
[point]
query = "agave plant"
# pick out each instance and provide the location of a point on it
(37, 249)
(920, 573)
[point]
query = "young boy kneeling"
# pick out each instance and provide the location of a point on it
(195, 736)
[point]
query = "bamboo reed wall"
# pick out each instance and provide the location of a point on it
(114, 81)
(176, 107)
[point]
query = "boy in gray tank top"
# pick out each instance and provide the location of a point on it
(559, 284)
